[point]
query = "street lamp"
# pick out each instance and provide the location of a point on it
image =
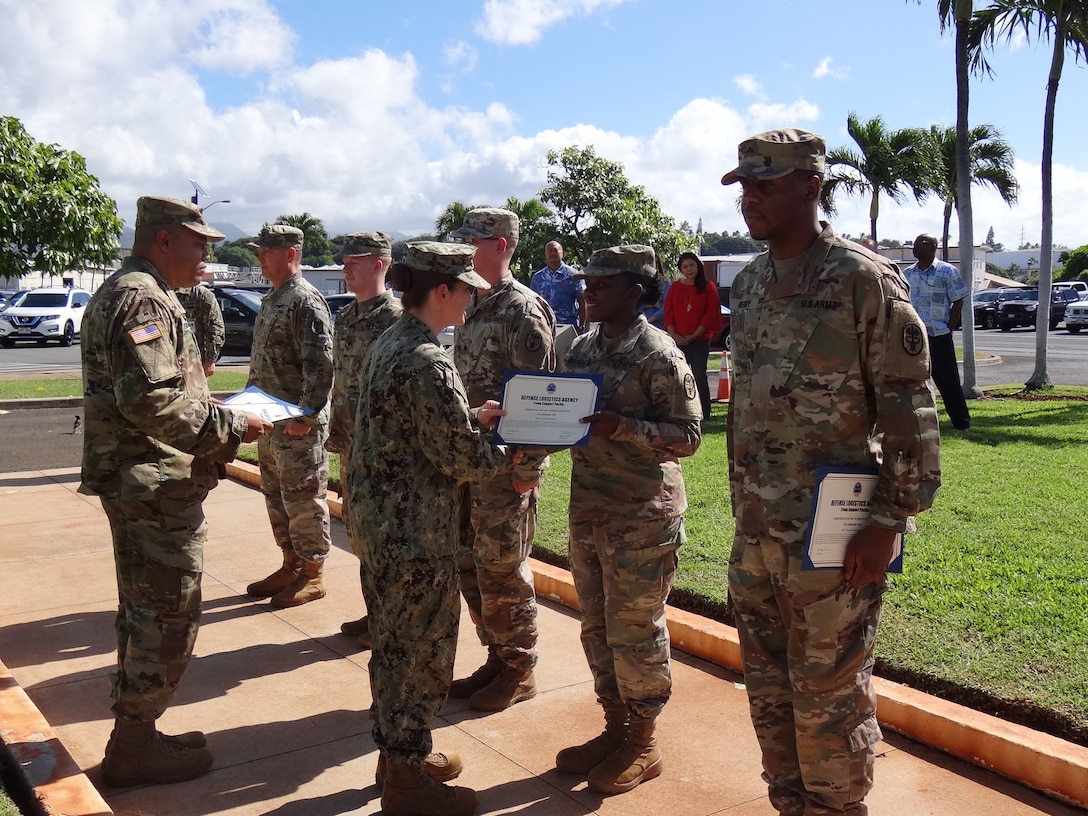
(198, 190)
(219, 201)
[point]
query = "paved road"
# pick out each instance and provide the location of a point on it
(39, 439)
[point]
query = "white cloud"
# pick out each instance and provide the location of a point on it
(460, 55)
(824, 69)
(238, 36)
(749, 85)
(523, 22)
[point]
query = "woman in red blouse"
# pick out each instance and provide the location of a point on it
(693, 314)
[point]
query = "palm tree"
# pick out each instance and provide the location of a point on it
(537, 229)
(990, 162)
(1065, 23)
(886, 161)
(316, 246)
(451, 218)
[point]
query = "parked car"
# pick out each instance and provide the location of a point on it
(984, 304)
(11, 299)
(722, 340)
(338, 302)
(50, 313)
(1076, 316)
(240, 307)
(1078, 286)
(1021, 311)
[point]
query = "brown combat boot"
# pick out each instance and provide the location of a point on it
(137, 753)
(467, 686)
(190, 739)
(306, 587)
(581, 759)
(509, 687)
(409, 791)
(278, 580)
(354, 628)
(637, 760)
(440, 767)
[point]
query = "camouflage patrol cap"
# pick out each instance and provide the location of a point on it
(778, 153)
(158, 211)
(277, 236)
(488, 222)
(454, 260)
(365, 243)
(638, 259)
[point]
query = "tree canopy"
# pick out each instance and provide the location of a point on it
(596, 206)
(316, 247)
(53, 216)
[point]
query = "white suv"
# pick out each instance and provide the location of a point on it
(53, 313)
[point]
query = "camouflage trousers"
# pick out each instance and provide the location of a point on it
(807, 642)
(414, 612)
(345, 514)
(623, 573)
(497, 526)
(158, 554)
(294, 481)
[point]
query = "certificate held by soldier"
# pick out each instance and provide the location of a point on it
(544, 410)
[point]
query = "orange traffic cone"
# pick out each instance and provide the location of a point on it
(725, 385)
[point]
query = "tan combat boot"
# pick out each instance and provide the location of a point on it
(467, 686)
(510, 687)
(278, 580)
(441, 767)
(637, 760)
(190, 739)
(360, 630)
(137, 753)
(409, 791)
(306, 587)
(581, 759)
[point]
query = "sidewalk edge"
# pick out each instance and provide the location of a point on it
(38, 755)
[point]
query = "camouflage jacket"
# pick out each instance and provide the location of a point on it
(357, 326)
(830, 368)
(414, 441)
(510, 327)
(635, 474)
(205, 319)
(149, 426)
(292, 347)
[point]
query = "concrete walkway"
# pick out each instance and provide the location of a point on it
(284, 697)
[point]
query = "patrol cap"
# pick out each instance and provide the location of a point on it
(454, 260)
(277, 236)
(365, 243)
(638, 259)
(158, 211)
(778, 153)
(488, 222)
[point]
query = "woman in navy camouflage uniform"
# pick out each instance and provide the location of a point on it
(415, 439)
(626, 513)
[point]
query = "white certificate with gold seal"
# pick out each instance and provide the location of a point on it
(543, 410)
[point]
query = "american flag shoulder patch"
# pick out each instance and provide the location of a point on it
(145, 333)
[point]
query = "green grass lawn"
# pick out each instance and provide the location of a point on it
(991, 608)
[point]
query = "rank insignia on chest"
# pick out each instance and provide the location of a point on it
(145, 333)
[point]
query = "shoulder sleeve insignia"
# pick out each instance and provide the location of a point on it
(689, 386)
(914, 340)
(534, 341)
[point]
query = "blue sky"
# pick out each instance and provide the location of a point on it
(375, 115)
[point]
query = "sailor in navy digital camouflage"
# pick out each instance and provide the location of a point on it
(508, 327)
(415, 441)
(627, 503)
(292, 360)
(366, 257)
(152, 437)
(830, 368)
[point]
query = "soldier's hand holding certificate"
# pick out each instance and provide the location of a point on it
(544, 410)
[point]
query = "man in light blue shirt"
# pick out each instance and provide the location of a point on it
(557, 285)
(937, 291)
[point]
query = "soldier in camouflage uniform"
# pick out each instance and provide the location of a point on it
(415, 440)
(830, 364)
(627, 505)
(511, 327)
(292, 360)
(366, 257)
(151, 441)
(206, 320)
